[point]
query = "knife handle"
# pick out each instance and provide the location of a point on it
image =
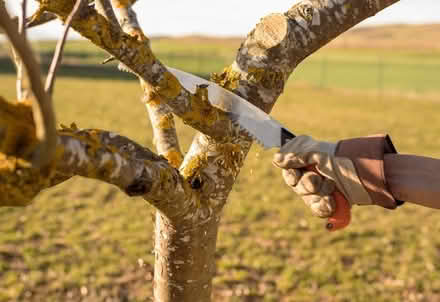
(342, 214)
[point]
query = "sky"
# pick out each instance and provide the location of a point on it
(237, 18)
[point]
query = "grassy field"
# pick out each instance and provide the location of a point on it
(86, 241)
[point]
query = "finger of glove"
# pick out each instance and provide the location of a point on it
(328, 187)
(289, 161)
(310, 183)
(321, 206)
(292, 176)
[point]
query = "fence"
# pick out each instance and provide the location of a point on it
(378, 75)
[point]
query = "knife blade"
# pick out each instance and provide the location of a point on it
(267, 131)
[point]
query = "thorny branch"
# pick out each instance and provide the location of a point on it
(44, 116)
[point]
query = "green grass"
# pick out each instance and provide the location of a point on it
(86, 241)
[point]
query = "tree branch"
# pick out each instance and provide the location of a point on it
(164, 131)
(101, 155)
(21, 94)
(104, 7)
(138, 57)
(44, 116)
(162, 120)
(39, 18)
(127, 19)
(50, 80)
(117, 160)
(263, 64)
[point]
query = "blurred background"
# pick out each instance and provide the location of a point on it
(86, 241)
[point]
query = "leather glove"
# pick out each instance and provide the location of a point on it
(337, 165)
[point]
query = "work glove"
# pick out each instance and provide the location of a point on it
(354, 167)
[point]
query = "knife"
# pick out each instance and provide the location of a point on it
(267, 131)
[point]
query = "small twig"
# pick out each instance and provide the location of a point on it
(39, 18)
(108, 60)
(19, 83)
(22, 18)
(44, 116)
(50, 80)
(17, 60)
(162, 120)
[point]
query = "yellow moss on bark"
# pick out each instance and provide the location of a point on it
(228, 79)
(202, 110)
(17, 129)
(165, 122)
(174, 157)
(168, 87)
(19, 182)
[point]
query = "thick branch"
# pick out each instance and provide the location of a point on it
(263, 64)
(101, 155)
(138, 57)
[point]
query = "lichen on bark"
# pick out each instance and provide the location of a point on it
(190, 200)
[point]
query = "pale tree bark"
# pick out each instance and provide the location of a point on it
(189, 200)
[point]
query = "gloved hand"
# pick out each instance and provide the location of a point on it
(357, 171)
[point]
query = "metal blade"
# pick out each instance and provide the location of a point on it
(265, 130)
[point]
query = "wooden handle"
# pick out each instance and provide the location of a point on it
(342, 215)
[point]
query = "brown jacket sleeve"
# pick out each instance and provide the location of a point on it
(367, 154)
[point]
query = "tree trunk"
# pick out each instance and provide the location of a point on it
(185, 243)
(184, 260)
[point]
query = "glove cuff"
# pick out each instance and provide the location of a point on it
(367, 155)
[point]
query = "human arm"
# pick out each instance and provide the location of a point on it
(413, 178)
(354, 166)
